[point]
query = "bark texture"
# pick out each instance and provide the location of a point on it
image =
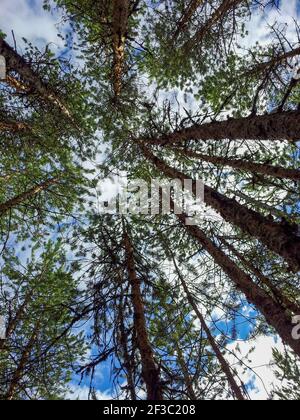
(279, 238)
(263, 279)
(150, 370)
(20, 199)
(273, 312)
(18, 374)
(17, 63)
(120, 28)
(277, 126)
(14, 126)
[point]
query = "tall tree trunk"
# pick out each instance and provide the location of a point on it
(150, 370)
(237, 392)
(225, 7)
(278, 295)
(246, 165)
(278, 237)
(186, 17)
(17, 63)
(273, 312)
(22, 364)
(277, 126)
(20, 199)
(120, 28)
(186, 375)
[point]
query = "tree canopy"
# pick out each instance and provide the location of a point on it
(161, 301)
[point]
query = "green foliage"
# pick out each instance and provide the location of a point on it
(288, 374)
(63, 264)
(37, 296)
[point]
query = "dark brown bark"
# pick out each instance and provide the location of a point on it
(246, 165)
(15, 62)
(120, 28)
(273, 312)
(18, 374)
(150, 370)
(278, 294)
(186, 17)
(20, 199)
(278, 237)
(225, 7)
(277, 126)
(237, 392)
(14, 126)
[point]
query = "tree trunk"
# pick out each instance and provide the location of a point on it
(246, 165)
(277, 126)
(185, 18)
(278, 295)
(13, 126)
(278, 237)
(22, 364)
(237, 392)
(120, 28)
(186, 375)
(17, 63)
(16, 84)
(226, 7)
(273, 312)
(150, 370)
(20, 199)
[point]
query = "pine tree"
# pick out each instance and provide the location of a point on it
(147, 287)
(39, 351)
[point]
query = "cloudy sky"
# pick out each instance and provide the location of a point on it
(26, 18)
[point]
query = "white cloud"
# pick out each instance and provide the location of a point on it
(40, 27)
(261, 373)
(30, 22)
(259, 27)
